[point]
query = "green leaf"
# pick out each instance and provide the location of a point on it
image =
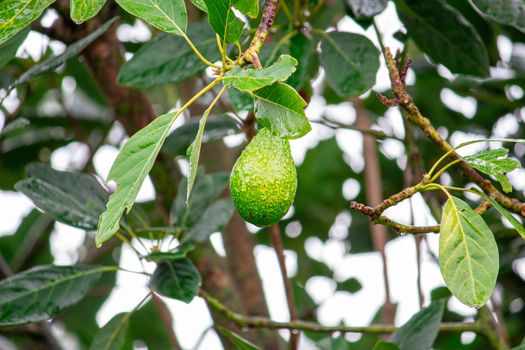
(194, 152)
(9, 48)
(223, 20)
(239, 342)
(200, 5)
(494, 162)
(363, 9)
(383, 345)
(129, 171)
(468, 254)
(72, 198)
(113, 334)
(421, 330)
(240, 100)
(350, 61)
(167, 15)
(216, 129)
(305, 50)
(214, 219)
(43, 291)
(507, 12)
(169, 59)
(249, 7)
(253, 78)
(18, 14)
(280, 108)
(504, 212)
(444, 34)
(207, 188)
(71, 51)
(178, 279)
(179, 253)
(82, 10)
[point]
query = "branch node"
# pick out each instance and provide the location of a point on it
(390, 102)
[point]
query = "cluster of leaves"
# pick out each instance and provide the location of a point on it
(458, 35)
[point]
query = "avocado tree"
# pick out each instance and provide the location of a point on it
(405, 119)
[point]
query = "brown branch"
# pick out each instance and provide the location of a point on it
(275, 236)
(244, 321)
(414, 115)
(267, 19)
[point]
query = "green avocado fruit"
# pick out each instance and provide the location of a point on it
(264, 180)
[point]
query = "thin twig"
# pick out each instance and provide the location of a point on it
(245, 321)
(275, 236)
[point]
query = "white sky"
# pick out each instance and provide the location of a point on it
(354, 309)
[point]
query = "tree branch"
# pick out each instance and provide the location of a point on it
(404, 100)
(244, 321)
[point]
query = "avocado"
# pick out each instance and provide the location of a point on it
(264, 180)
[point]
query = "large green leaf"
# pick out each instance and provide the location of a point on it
(82, 10)
(305, 50)
(193, 154)
(72, 198)
(508, 12)
(350, 61)
(421, 330)
(169, 59)
(280, 108)
(238, 342)
(253, 79)
(155, 335)
(494, 162)
(71, 51)
(444, 34)
(9, 48)
(214, 219)
(178, 279)
(216, 129)
(223, 20)
(468, 254)
(131, 167)
(366, 8)
(18, 14)
(504, 212)
(113, 334)
(167, 15)
(43, 291)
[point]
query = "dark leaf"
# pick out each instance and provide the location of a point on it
(507, 12)
(113, 334)
(8, 49)
(366, 8)
(181, 138)
(169, 59)
(214, 219)
(178, 279)
(43, 291)
(421, 330)
(444, 34)
(350, 61)
(72, 198)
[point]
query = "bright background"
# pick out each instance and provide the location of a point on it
(192, 321)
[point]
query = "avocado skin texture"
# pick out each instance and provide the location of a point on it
(264, 180)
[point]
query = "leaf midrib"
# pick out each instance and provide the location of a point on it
(55, 283)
